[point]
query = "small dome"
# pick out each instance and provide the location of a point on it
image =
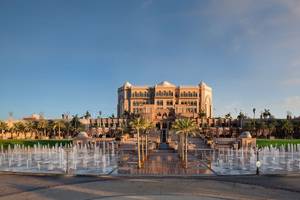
(166, 83)
(82, 135)
(245, 134)
(127, 84)
(202, 83)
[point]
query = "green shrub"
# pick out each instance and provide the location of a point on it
(31, 143)
(276, 142)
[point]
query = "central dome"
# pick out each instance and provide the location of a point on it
(82, 135)
(245, 134)
(165, 83)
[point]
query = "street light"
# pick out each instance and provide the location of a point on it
(258, 163)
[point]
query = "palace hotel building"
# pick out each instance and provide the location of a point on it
(164, 102)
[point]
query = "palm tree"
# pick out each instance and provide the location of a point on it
(59, 124)
(75, 124)
(287, 127)
(138, 124)
(272, 126)
(122, 128)
(67, 127)
(3, 127)
(241, 117)
(184, 127)
(19, 127)
(30, 127)
(266, 114)
(87, 115)
(147, 128)
(43, 125)
(260, 127)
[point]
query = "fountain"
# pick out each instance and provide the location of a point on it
(81, 159)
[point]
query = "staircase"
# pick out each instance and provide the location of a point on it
(163, 146)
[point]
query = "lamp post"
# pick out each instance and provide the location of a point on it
(258, 163)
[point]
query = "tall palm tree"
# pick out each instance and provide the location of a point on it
(287, 128)
(271, 126)
(67, 127)
(266, 114)
(147, 128)
(122, 128)
(43, 125)
(3, 127)
(29, 127)
(19, 127)
(241, 117)
(59, 124)
(261, 127)
(75, 124)
(184, 127)
(138, 125)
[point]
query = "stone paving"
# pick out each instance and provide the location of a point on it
(76, 188)
(167, 163)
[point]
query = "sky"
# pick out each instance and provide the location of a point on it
(59, 56)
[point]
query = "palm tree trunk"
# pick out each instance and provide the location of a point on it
(182, 147)
(143, 152)
(186, 148)
(59, 131)
(139, 152)
(146, 147)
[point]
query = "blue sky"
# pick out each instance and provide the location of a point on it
(71, 56)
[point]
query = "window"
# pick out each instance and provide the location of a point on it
(169, 103)
(160, 102)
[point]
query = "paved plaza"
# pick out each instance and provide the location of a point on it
(213, 187)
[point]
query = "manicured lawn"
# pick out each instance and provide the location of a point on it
(31, 143)
(276, 142)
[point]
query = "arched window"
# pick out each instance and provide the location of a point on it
(159, 93)
(165, 93)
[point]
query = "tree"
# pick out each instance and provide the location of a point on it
(87, 115)
(75, 124)
(241, 117)
(287, 128)
(184, 127)
(266, 114)
(42, 126)
(122, 128)
(67, 127)
(260, 127)
(148, 126)
(138, 125)
(19, 127)
(30, 127)
(59, 124)
(271, 126)
(3, 127)
(228, 116)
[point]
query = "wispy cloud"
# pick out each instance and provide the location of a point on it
(292, 104)
(146, 3)
(292, 74)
